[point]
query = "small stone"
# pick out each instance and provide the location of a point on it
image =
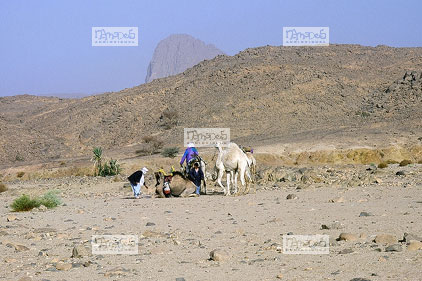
(26, 278)
(346, 251)
(150, 224)
(347, 237)
(385, 239)
(63, 266)
(365, 214)
(334, 225)
(117, 271)
(20, 248)
(10, 260)
(218, 255)
(291, 196)
(378, 180)
(414, 246)
(180, 279)
(407, 237)
(79, 251)
(280, 276)
(336, 200)
(400, 173)
(394, 248)
(42, 208)
(43, 253)
(11, 217)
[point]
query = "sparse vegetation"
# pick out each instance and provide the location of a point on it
(390, 161)
(97, 158)
(420, 161)
(19, 158)
(382, 165)
(110, 168)
(25, 203)
(363, 114)
(148, 139)
(405, 163)
(170, 152)
(20, 174)
(152, 146)
(169, 118)
(3, 187)
(50, 199)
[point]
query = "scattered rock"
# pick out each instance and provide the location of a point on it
(18, 248)
(42, 208)
(117, 271)
(347, 237)
(334, 225)
(26, 278)
(346, 251)
(394, 248)
(150, 224)
(414, 246)
(180, 279)
(150, 233)
(359, 279)
(336, 200)
(400, 173)
(218, 255)
(11, 217)
(45, 230)
(279, 276)
(291, 196)
(79, 251)
(365, 214)
(385, 239)
(63, 266)
(407, 237)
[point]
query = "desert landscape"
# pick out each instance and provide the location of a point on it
(321, 102)
(336, 133)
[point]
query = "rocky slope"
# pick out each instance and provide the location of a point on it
(177, 53)
(336, 95)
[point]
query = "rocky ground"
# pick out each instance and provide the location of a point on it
(371, 215)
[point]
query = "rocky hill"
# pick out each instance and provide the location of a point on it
(177, 53)
(341, 95)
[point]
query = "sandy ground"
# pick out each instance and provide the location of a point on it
(176, 235)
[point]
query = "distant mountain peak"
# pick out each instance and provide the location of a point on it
(176, 53)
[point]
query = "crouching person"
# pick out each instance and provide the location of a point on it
(137, 180)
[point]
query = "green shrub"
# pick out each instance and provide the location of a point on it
(50, 199)
(24, 203)
(110, 168)
(405, 163)
(420, 161)
(382, 165)
(3, 187)
(170, 152)
(390, 161)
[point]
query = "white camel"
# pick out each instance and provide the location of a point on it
(234, 162)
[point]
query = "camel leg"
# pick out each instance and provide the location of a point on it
(236, 190)
(248, 181)
(228, 184)
(203, 166)
(220, 176)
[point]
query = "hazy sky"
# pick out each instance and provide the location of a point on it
(45, 46)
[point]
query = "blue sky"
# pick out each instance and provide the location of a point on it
(45, 45)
